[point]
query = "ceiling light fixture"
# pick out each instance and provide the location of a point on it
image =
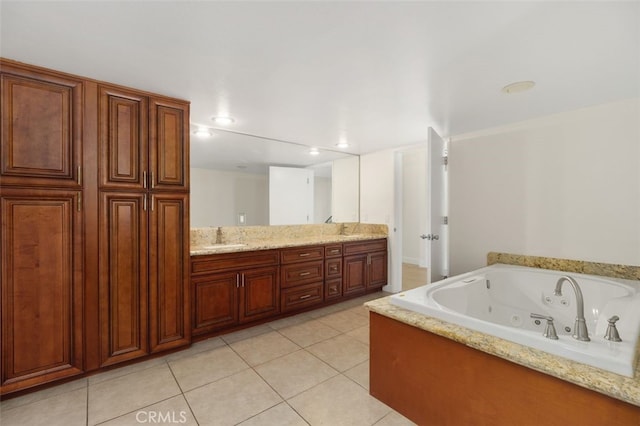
(342, 144)
(203, 133)
(518, 87)
(223, 120)
(314, 151)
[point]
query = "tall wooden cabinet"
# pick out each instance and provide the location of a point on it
(41, 248)
(94, 195)
(143, 223)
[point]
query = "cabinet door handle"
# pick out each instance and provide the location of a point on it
(242, 281)
(237, 280)
(304, 254)
(144, 179)
(144, 202)
(304, 274)
(334, 268)
(152, 202)
(79, 175)
(79, 201)
(335, 251)
(153, 183)
(306, 296)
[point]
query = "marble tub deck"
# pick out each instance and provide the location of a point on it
(616, 386)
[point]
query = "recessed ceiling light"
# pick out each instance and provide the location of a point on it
(518, 86)
(314, 151)
(342, 144)
(203, 133)
(223, 120)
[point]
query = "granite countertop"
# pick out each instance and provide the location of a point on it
(616, 386)
(280, 242)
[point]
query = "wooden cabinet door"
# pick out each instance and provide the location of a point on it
(259, 293)
(122, 275)
(169, 149)
(41, 128)
(355, 274)
(124, 145)
(215, 301)
(377, 270)
(41, 289)
(169, 319)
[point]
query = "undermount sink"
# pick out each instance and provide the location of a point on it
(221, 246)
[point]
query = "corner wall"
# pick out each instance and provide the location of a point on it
(565, 186)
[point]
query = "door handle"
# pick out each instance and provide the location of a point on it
(430, 237)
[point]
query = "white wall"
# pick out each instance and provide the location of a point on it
(345, 175)
(218, 196)
(566, 186)
(377, 204)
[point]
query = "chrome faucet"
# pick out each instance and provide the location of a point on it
(580, 331)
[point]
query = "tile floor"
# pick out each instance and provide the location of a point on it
(310, 369)
(413, 276)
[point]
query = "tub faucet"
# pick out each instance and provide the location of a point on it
(580, 327)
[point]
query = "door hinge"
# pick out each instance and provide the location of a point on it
(445, 160)
(445, 220)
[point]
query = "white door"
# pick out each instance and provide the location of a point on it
(290, 196)
(435, 239)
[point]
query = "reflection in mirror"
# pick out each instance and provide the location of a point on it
(230, 180)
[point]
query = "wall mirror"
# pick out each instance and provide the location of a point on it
(230, 181)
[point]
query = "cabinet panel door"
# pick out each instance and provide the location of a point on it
(41, 129)
(42, 289)
(169, 272)
(355, 274)
(377, 270)
(123, 139)
(215, 301)
(169, 137)
(123, 277)
(259, 293)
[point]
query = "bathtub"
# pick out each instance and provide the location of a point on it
(499, 299)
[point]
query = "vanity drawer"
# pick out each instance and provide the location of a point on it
(333, 268)
(301, 273)
(301, 296)
(368, 246)
(203, 264)
(333, 289)
(333, 250)
(301, 254)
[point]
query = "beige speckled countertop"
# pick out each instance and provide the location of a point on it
(206, 241)
(620, 387)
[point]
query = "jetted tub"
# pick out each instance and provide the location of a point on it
(499, 300)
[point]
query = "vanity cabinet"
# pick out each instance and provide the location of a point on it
(231, 289)
(234, 288)
(302, 277)
(365, 266)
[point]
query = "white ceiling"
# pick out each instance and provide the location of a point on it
(375, 73)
